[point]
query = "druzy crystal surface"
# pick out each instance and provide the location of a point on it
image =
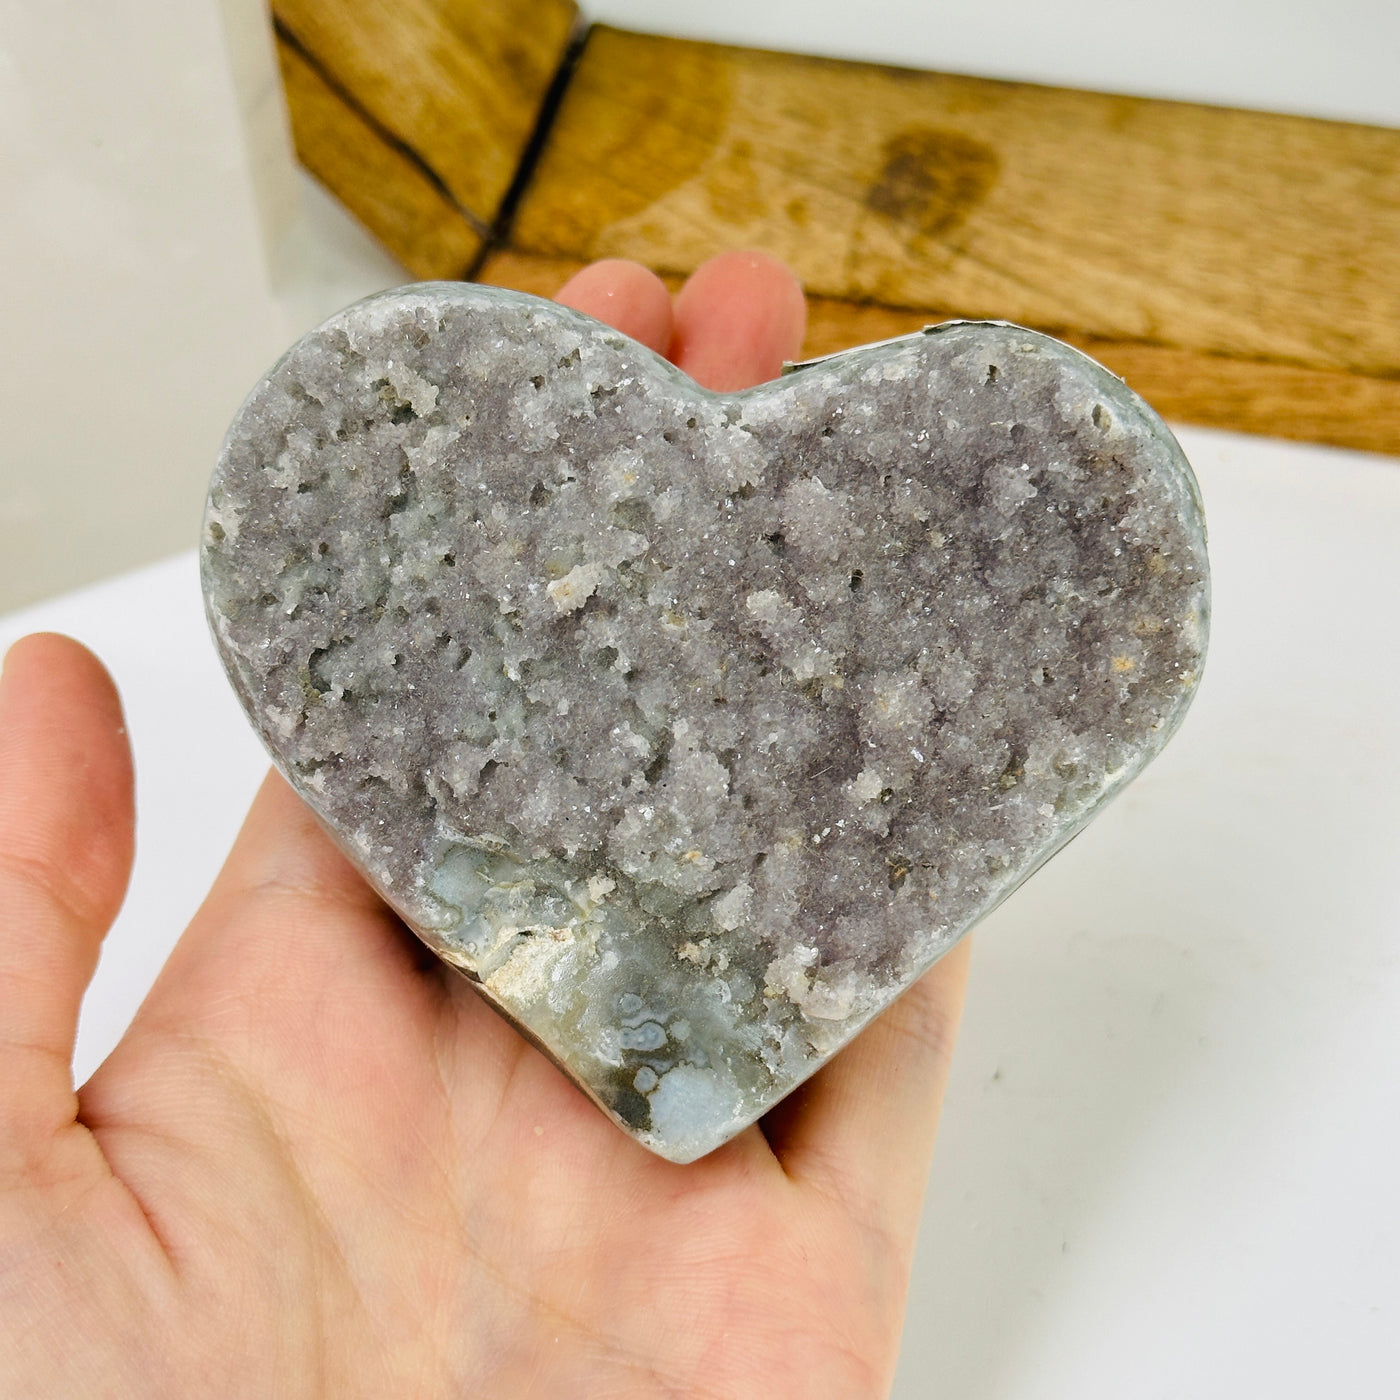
(693, 727)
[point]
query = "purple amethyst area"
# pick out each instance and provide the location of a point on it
(694, 727)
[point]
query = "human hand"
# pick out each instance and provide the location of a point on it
(319, 1165)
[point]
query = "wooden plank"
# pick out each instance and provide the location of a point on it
(1345, 410)
(455, 87)
(379, 181)
(1241, 270)
(1249, 396)
(1233, 233)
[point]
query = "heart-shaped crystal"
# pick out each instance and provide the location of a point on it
(693, 727)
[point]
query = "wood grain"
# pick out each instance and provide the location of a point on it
(1241, 270)
(455, 86)
(1273, 400)
(378, 180)
(1228, 232)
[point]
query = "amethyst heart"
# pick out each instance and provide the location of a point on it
(693, 727)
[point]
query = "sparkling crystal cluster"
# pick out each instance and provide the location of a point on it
(694, 727)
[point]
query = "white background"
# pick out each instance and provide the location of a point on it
(1339, 60)
(1170, 1151)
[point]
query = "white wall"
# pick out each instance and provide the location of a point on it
(1339, 59)
(146, 192)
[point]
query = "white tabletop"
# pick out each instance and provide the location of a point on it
(1169, 1156)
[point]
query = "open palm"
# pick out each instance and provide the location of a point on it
(319, 1165)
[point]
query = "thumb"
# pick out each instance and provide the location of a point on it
(66, 832)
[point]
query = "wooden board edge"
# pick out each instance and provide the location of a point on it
(456, 85)
(1354, 411)
(379, 180)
